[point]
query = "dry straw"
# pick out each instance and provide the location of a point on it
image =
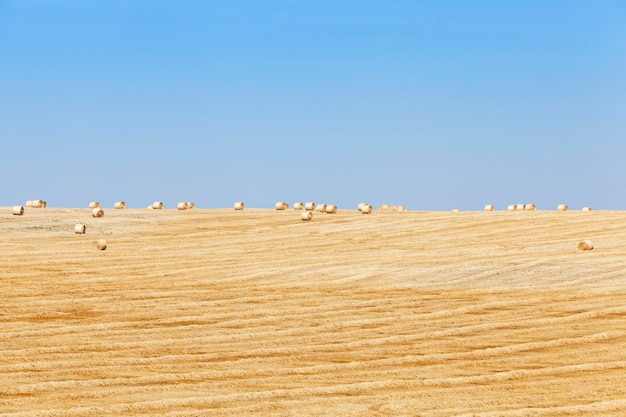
(306, 216)
(119, 205)
(585, 244)
(298, 206)
(100, 244)
(309, 206)
(239, 205)
(530, 207)
(321, 208)
(191, 205)
(157, 205)
(80, 229)
(361, 205)
(97, 212)
(18, 210)
(489, 207)
(331, 209)
(401, 208)
(183, 205)
(562, 207)
(519, 207)
(36, 203)
(366, 209)
(281, 205)
(511, 207)
(586, 208)
(94, 204)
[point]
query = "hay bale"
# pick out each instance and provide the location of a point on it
(511, 207)
(97, 212)
(331, 209)
(530, 207)
(80, 229)
(366, 209)
(100, 244)
(321, 208)
(18, 210)
(562, 207)
(401, 208)
(456, 210)
(157, 205)
(519, 207)
(150, 207)
(119, 205)
(182, 205)
(29, 203)
(281, 205)
(191, 205)
(360, 206)
(383, 207)
(94, 204)
(586, 208)
(36, 203)
(298, 206)
(306, 216)
(489, 207)
(309, 206)
(585, 244)
(239, 205)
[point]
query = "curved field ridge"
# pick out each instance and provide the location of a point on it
(219, 313)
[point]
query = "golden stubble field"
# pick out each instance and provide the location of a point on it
(254, 312)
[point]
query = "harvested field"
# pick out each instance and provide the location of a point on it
(217, 312)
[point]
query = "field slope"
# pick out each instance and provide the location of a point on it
(254, 312)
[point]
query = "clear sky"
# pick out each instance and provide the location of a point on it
(431, 104)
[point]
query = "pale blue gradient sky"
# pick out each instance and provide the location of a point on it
(431, 104)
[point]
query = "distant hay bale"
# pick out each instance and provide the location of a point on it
(298, 206)
(489, 207)
(94, 204)
(519, 207)
(157, 205)
(306, 216)
(530, 207)
(585, 244)
(182, 205)
(456, 210)
(331, 209)
(366, 209)
(119, 205)
(281, 205)
(309, 206)
(100, 244)
(511, 207)
(97, 212)
(18, 210)
(239, 205)
(29, 203)
(401, 208)
(36, 203)
(361, 205)
(562, 207)
(321, 208)
(191, 205)
(150, 207)
(383, 207)
(80, 229)
(586, 208)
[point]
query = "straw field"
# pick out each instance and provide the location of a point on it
(255, 312)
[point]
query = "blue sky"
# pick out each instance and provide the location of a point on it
(430, 104)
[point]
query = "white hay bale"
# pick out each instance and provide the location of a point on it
(383, 207)
(281, 205)
(562, 207)
(36, 204)
(585, 244)
(361, 205)
(511, 207)
(321, 208)
(456, 210)
(119, 205)
(530, 207)
(97, 212)
(519, 207)
(309, 206)
(401, 208)
(100, 244)
(182, 205)
(29, 203)
(366, 209)
(586, 208)
(150, 207)
(80, 229)
(298, 206)
(94, 204)
(489, 207)
(191, 205)
(239, 205)
(18, 210)
(306, 216)
(331, 209)
(157, 205)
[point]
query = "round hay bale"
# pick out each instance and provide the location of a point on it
(239, 205)
(331, 209)
(94, 204)
(100, 244)
(281, 205)
(321, 208)
(489, 207)
(18, 210)
(366, 209)
(401, 208)
(29, 203)
(97, 212)
(306, 216)
(519, 207)
(150, 207)
(585, 244)
(383, 207)
(562, 207)
(44, 204)
(298, 206)
(530, 207)
(309, 206)
(456, 210)
(511, 207)
(182, 205)
(586, 208)
(157, 205)
(191, 205)
(80, 229)
(360, 206)
(119, 205)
